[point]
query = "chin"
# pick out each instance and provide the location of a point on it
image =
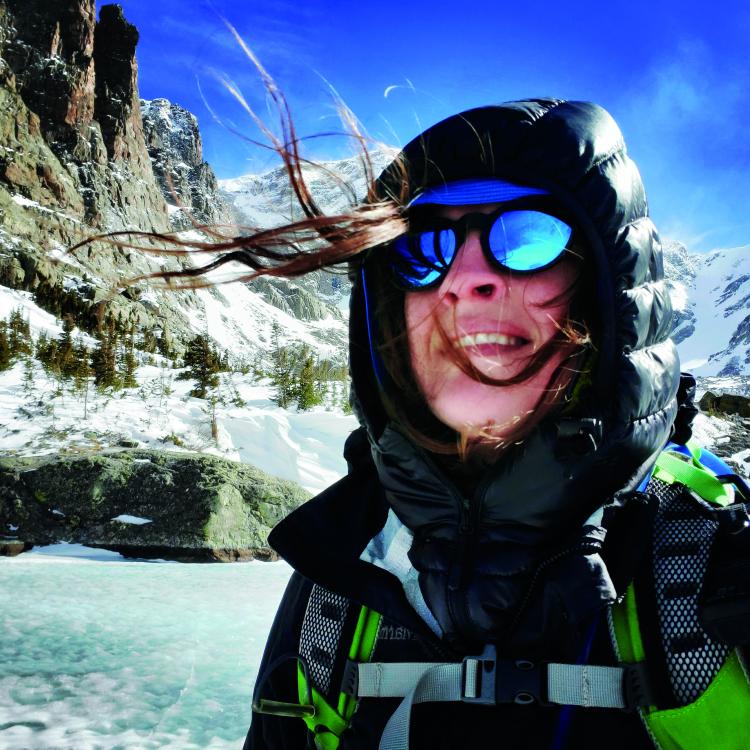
(470, 426)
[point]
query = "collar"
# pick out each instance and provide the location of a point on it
(324, 538)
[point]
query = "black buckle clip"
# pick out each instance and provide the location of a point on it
(350, 680)
(636, 686)
(735, 518)
(489, 682)
(522, 682)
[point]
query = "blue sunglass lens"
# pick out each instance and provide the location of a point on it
(422, 259)
(528, 240)
(519, 241)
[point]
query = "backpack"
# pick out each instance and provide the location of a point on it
(679, 634)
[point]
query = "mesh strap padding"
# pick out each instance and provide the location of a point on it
(322, 628)
(682, 542)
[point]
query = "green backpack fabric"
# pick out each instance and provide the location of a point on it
(714, 718)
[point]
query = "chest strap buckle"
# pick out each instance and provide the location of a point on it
(487, 681)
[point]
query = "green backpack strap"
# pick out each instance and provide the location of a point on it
(328, 722)
(672, 466)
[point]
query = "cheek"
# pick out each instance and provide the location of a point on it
(546, 286)
(419, 316)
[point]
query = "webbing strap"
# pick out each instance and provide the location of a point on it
(567, 684)
(584, 685)
(473, 682)
(392, 679)
(442, 682)
(670, 468)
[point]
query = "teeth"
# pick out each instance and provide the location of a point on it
(490, 338)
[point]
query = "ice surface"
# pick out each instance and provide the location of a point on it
(100, 653)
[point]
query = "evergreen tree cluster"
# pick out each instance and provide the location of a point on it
(297, 377)
(112, 364)
(15, 339)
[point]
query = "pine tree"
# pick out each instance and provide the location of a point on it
(66, 364)
(19, 334)
(46, 353)
(282, 372)
(129, 362)
(5, 355)
(203, 365)
(104, 360)
(306, 392)
(28, 375)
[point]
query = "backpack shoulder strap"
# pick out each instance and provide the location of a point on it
(696, 469)
(334, 630)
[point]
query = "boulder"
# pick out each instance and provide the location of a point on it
(146, 503)
(10, 547)
(725, 403)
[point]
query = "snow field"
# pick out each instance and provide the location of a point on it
(305, 447)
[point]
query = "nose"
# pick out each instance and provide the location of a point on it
(470, 276)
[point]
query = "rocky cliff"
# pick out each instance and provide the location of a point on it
(176, 151)
(73, 159)
(81, 154)
(77, 78)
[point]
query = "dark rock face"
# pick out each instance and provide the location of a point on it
(76, 102)
(195, 506)
(117, 104)
(176, 151)
(52, 57)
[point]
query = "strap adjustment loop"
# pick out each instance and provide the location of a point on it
(636, 686)
(350, 680)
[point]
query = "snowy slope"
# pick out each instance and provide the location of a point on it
(38, 416)
(711, 296)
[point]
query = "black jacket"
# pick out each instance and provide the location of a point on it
(553, 533)
(323, 540)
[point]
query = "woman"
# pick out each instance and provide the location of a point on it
(515, 383)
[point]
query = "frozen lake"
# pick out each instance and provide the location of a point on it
(98, 653)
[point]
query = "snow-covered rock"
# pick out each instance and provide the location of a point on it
(711, 297)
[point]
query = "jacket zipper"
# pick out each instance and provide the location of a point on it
(471, 511)
(581, 547)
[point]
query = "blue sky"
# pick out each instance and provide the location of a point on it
(673, 73)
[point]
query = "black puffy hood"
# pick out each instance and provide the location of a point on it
(543, 490)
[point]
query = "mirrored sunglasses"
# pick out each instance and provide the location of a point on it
(522, 241)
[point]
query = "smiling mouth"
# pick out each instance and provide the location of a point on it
(480, 340)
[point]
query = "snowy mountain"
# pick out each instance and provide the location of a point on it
(711, 297)
(266, 199)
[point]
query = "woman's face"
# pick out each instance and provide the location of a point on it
(497, 320)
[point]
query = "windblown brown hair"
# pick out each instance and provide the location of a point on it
(342, 241)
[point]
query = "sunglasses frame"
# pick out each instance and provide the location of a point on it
(422, 219)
